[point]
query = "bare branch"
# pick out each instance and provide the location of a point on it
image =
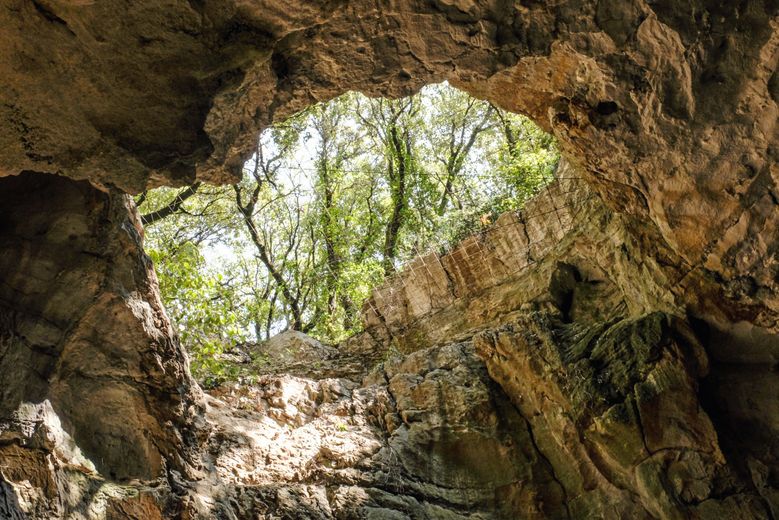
(175, 205)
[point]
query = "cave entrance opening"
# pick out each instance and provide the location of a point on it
(334, 200)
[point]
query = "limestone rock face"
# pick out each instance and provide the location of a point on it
(640, 408)
(656, 281)
(425, 436)
(616, 409)
(84, 332)
(290, 349)
(542, 417)
(569, 392)
(566, 248)
(45, 475)
(428, 435)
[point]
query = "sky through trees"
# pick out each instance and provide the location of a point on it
(333, 200)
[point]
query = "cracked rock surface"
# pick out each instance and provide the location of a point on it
(424, 436)
(628, 347)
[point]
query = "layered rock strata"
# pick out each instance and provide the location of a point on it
(613, 350)
(668, 110)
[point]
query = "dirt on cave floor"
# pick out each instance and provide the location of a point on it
(555, 389)
(618, 361)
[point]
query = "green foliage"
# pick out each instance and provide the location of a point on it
(527, 160)
(334, 199)
(201, 304)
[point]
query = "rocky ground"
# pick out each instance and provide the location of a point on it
(633, 331)
(422, 436)
(556, 390)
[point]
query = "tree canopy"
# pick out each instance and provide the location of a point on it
(333, 200)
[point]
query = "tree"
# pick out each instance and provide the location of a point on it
(526, 157)
(170, 208)
(333, 199)
(287, 262)
(202, 303)
(456, 121)
(393, 125)
(338, 146)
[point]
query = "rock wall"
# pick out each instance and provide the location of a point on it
(666, 110)
(643, 404)
(565, 234)
(670, 109)
(618, 410)
(84, 336)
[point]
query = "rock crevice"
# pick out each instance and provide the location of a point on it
(667, 113)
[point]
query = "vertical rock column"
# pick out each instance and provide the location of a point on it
(83, 331)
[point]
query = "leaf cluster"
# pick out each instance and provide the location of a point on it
(334, 199)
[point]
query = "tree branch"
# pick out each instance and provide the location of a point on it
(175, 205)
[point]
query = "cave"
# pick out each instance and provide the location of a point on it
(628, 371)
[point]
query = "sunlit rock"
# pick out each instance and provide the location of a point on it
(628, 353)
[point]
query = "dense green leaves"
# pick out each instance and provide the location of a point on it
(333, 200)
(201, 302)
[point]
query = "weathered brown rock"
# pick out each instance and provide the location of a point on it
(638, 417)
(604, 408)
(668, 110)
(564, 244)
(83, 329)
(615, 409)
(640, 413)
(426, 435)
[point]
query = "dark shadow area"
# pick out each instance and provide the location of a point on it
(76, 327)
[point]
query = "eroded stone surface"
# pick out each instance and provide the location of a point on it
(427, 435)
(641, 413)
(564, 247)
(596, 394)
(83, 327)
(668, 110)
(621, 400)
(590, 419)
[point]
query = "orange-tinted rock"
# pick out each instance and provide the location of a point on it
(668, 110)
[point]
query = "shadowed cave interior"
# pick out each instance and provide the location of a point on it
(617, 360)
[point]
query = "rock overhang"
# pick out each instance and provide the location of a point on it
(669, 110)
